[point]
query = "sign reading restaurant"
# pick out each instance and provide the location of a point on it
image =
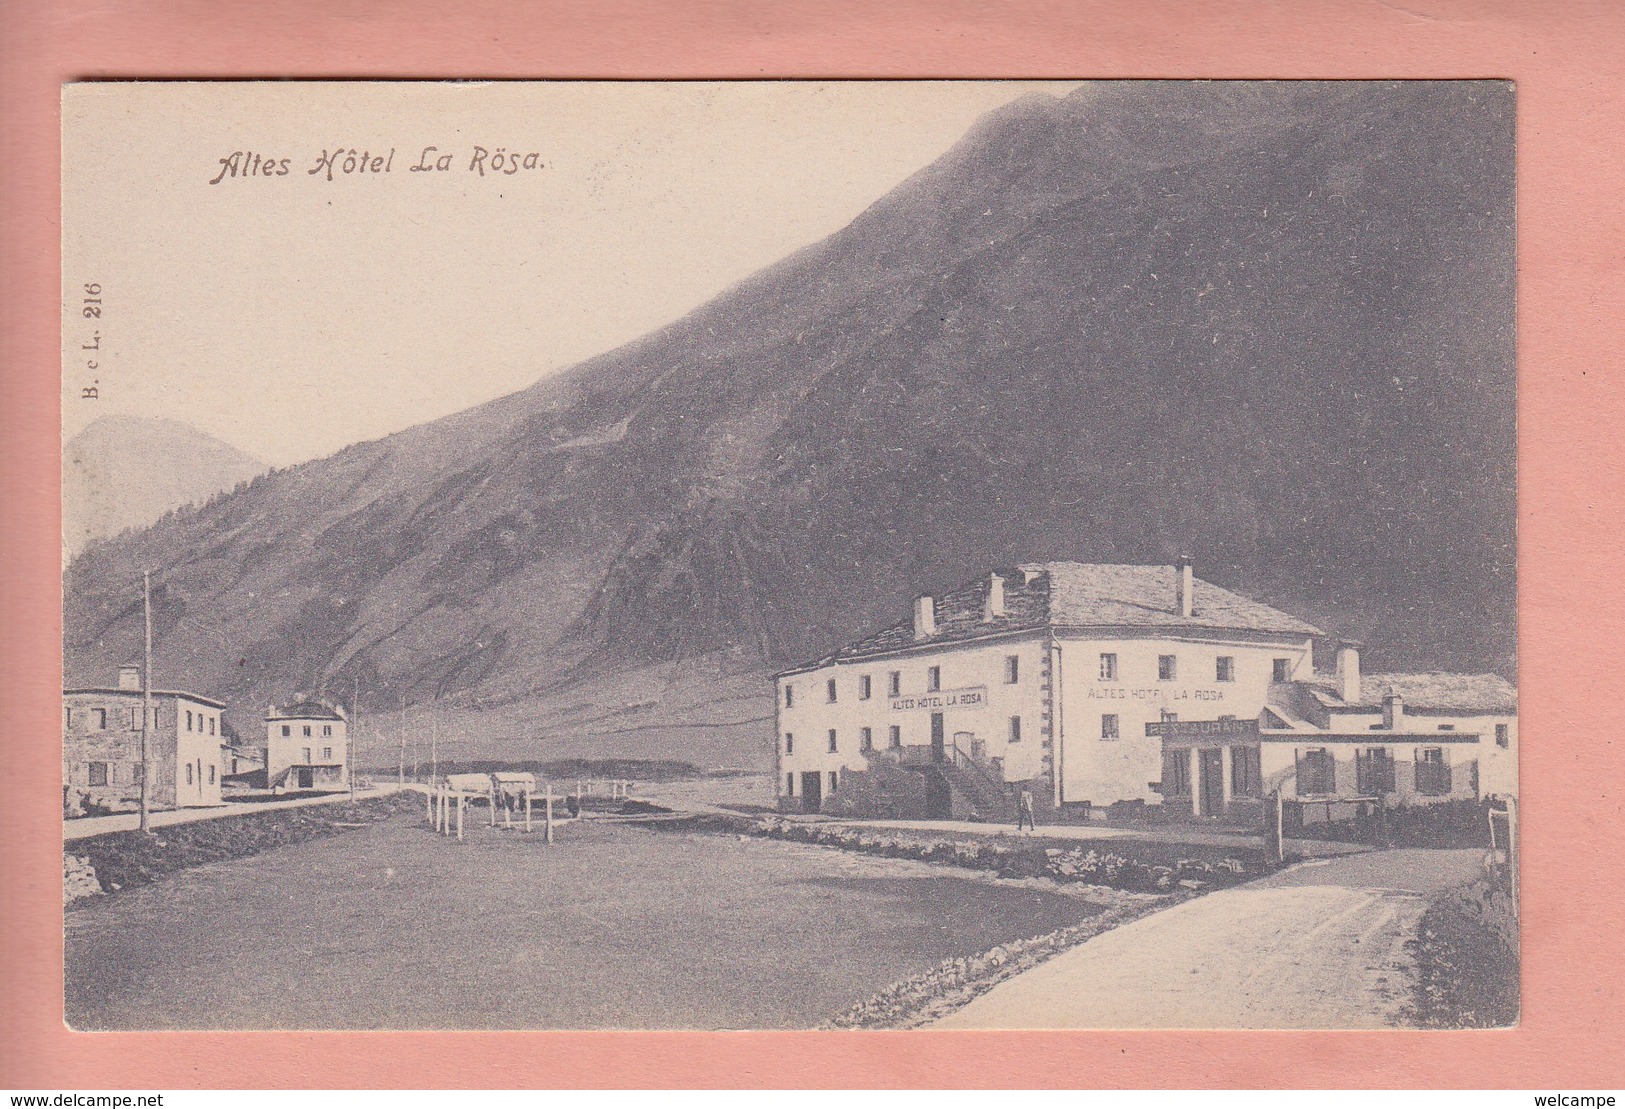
(1180, 729)
(971, 697)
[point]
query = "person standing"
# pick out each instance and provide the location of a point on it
(1024, 811)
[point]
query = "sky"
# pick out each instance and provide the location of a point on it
(293, 313)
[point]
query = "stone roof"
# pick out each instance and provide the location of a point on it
(1428, 691)
(305, 710)
(1092, 595)
(1082, 595)
(136, 693)
(1440, 692)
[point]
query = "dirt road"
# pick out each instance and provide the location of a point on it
(1319, 946)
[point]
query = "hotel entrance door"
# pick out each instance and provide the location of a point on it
(812, 791)
(1212, 784)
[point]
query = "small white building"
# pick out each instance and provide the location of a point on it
(1094, 684)
(307, 747)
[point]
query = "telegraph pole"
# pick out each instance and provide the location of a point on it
(400, 769)
(354, 731)
(146, 699)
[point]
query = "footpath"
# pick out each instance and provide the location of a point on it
(1323, 944)
(129, 822)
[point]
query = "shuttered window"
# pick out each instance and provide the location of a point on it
(1317, 773)
(1374, 771)
(1432, 772)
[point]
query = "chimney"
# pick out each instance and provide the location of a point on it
(129, 677)
(1348, 673)
(995, 599)
(925, 617)
(1393, 712)
(1185, 582)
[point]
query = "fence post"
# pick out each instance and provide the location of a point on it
(1280, 835)
(527, 810)
(459, 816)
(1512, 855)
(549, 812)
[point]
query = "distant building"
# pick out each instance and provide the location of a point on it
(306, 747)
(101, 746)
(1094, 684)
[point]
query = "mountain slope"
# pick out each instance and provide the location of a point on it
(124, 472)
(1268, 325)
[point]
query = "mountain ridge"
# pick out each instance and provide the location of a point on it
(1079, 334)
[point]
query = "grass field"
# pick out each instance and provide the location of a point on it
(613, 927)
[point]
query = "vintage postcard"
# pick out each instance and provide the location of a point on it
(789, 555)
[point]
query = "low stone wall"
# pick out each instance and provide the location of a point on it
(120, 860)
(78, 879)
(954, 983)
(1139, 866)
(1467, 960)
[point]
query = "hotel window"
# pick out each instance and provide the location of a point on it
(866, 687)
(789, 785)
(188, 773)
(832, 741)
(1317, 773)
(211, 725)
(1501, 735)
(211, 775)
(895, 736)
(829, 688)
(834, 780)
(327, 752)
(1167, 668)
(100, 717)
(1374, 770)
(1176, 780)
(98, 773)
(1281, 670)
(789, 744)
(894, 684)
(286, 731)
(1447, 727)
(1015, 729)
(1108, 668)
(67, 718)
(327, 729)
(188, 719)
(866, 739)
(305, 751)
(132, 725)
(1108, 726)
(307, 729)
(789, 696)
(1226, 669)
(1432, 772)
(933, 679)
(1012, 669)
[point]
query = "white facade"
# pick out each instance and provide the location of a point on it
(307, 747)
(992, 698)
(1097, 699)
(1016, 673)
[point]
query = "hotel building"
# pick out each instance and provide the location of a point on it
(1090, 685)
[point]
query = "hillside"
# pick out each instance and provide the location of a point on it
(124, 472)
(1269, 325)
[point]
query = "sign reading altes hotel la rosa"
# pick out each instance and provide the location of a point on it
(970, 698)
